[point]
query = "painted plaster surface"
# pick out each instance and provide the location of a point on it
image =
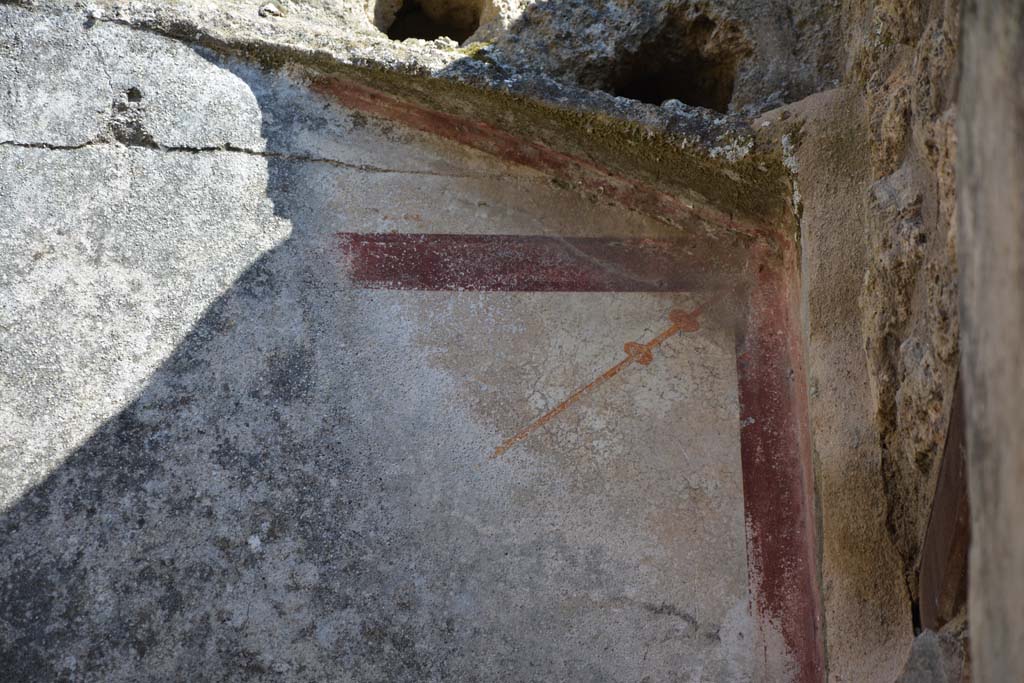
(224, 459)
(171, 235)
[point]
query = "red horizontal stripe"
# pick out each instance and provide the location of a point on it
(513, 263)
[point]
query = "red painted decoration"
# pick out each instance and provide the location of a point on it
(513, 263)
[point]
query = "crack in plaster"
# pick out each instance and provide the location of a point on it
(230, 148)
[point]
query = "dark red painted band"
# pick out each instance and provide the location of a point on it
(514, 263)
(777, 476)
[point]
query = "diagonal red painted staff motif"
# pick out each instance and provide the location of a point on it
(682, 321)
(778, 494)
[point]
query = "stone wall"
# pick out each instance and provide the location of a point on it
(904, 59)
(167, 164)
(874, 172)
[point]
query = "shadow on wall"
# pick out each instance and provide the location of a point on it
(230, 523)
(238, 520)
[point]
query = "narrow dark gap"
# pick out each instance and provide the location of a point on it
(429, 20)
(687, 61)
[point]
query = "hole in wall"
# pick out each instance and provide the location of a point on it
(692, 58)
(428, 19)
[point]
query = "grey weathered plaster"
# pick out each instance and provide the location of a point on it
(706, 156)
(222, 462)
(152, 184)
(990, 170)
